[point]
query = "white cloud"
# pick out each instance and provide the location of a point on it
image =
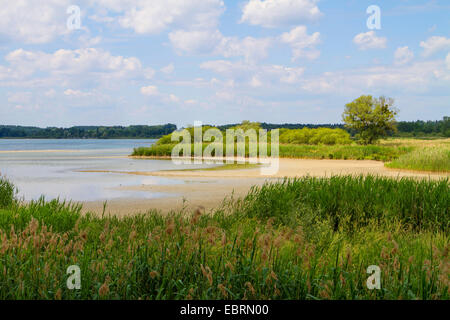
(64, 66)
(195, 42)
(154, 16)
(369, 40)
(150, 91)
(50, 93)
(303, 45)
(403, 55)
(416, 77)
(159, 97)
(447, 61)
(252, 74)
(255, 82)
(168, 69)
(250, 48)
(434, 44)
(213, 42)
(173, 98)
(276, 13)
(33, 21)
(77, 93)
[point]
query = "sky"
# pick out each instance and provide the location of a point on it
(123, 62)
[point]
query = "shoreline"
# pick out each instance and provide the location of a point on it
(208, 189)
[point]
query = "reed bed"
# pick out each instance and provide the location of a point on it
(261, 247)
(354, 152)
(435, 159)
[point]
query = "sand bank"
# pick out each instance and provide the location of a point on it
(209, 188)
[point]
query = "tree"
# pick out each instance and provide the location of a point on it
(371, 117)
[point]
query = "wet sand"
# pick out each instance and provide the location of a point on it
(208, 188)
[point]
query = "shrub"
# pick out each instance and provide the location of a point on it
(7, 193)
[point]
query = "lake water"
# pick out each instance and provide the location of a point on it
(51, 167)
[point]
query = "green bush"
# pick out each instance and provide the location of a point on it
(7, 193)
(315, 136)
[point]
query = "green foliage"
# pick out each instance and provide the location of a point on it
(371, 117)
(247, 125)
(7, 193)
(315, 136)
(87, 132)
(355, 152)
(167, 139)
(424, 159)
(352, 202)
(421, 128)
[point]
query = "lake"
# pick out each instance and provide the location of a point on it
(52, 168)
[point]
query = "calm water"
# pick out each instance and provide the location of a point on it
(52, 168)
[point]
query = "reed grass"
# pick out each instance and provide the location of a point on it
(309, 238)
(425, 159)
(355, 152)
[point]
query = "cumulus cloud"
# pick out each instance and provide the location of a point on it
(419, 76)
(434, 44)
(252, 74)
(154, 16)
(64, 66)
(195, 42)
(77, 93)
(369, 40)
(276, 13)
(213, 42)
(403, 55)
(168, 69)
(33, 21)
(150, 91)
(303, 45)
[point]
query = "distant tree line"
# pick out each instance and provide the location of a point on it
(87, 132)
(424, 128)
(419, 128)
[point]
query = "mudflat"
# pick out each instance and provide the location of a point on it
(208, 188)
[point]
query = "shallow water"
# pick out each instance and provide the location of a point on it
(51, 168)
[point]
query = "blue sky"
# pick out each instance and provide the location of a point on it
(278, 61)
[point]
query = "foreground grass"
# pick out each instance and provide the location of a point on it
(425, 159)
(310, 238)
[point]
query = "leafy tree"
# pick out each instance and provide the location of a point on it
(371, 117)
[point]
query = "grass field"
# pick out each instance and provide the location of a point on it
(310, 238)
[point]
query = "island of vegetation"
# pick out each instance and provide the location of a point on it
(372, 122)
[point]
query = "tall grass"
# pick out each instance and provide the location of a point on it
(356, 152)
(426, 159)
(243, 250)
(352, 202)
(7, 193)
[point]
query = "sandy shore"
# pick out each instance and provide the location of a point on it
(207, 189)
